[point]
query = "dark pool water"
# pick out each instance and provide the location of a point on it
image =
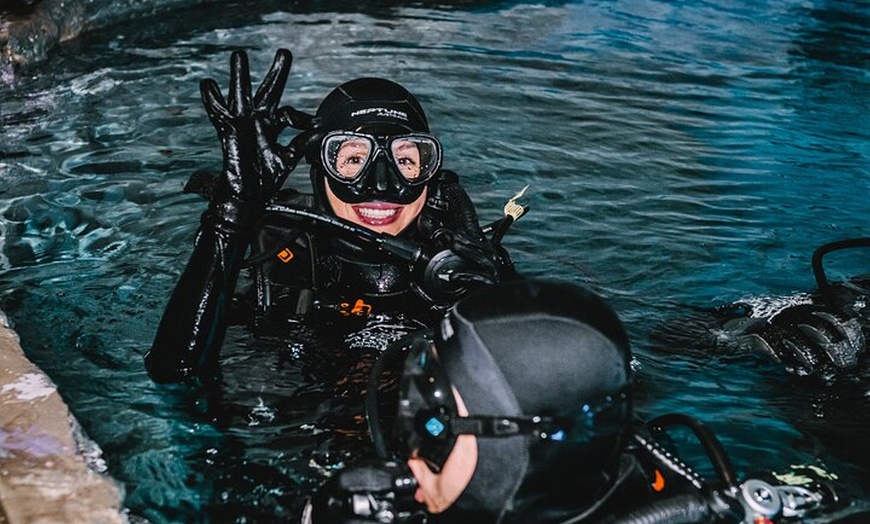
(681, 155)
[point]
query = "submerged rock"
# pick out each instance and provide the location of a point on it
(29, 29)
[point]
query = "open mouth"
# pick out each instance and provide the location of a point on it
(378, 214)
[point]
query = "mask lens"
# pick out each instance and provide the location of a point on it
(425, 408)
(416, 157)
(346, 155)
(606, 417)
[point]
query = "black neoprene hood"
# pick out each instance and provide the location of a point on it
(378, 107)
(371, 102)
(526, 348)
(550, 346)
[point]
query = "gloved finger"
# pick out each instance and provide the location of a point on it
(840, 340)
(240, 84)
(269, 93)
(798, 358)
(213, 100)
(288, 116)
(274, 167)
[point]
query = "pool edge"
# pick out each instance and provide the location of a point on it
(44, 477)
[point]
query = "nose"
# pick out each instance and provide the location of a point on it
(382, 174)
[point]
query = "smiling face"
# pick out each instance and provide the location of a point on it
(381, 217)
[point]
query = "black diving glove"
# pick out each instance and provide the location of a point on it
(464, 266)
(480, 261)
(808, 338)
(450, 221)
(376, 492)
(255, 164)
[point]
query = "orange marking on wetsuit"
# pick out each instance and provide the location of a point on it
(763, 520)
(359, 308)
(659, 483)
(285, 255)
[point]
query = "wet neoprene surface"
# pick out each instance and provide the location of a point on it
(679, 154)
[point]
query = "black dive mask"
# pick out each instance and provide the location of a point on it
(428, 422)
(362, 167)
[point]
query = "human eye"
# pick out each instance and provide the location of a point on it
(350, 157)
(352, 160)
(407, 158)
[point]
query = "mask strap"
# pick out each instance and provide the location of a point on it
(371, 403)
(500, 426)
(543, 427)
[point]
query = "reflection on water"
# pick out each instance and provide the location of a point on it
(680, 154)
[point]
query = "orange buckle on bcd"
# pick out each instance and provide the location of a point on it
(659, 482)
(359, 309)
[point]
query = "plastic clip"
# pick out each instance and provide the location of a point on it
(514, 210)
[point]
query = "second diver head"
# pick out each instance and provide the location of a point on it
(521, 405)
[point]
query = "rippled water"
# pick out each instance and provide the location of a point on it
(680, 154)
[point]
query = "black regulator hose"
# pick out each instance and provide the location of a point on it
(690, 508)
(461, 206)
(714, 449)
(500, 228)
(818, 267)
(404, 249)
(433, 267)
(371, 404)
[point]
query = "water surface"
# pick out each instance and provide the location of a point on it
(680, 154)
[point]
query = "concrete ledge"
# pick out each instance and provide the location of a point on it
(44, 478)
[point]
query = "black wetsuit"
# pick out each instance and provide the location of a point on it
(300, 270)
(647, 473)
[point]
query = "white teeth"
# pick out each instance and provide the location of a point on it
(376, 214)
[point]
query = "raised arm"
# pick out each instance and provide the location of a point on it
(192, 328)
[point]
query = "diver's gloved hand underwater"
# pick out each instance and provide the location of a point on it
(383, 229)
(822, 332)
(519, 410)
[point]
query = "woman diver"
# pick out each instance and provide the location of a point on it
(386, 229)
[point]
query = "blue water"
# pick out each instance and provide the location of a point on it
(680, 154)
